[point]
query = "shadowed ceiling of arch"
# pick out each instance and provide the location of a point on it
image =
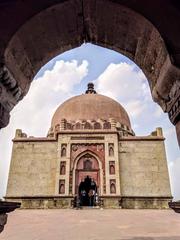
(68, 24)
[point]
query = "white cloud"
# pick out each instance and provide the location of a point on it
(122, 81)
(158, 112)
(135, 108)
(174, 168)
(128, 85)
(33, 114)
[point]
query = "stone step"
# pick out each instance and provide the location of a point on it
(90, 208)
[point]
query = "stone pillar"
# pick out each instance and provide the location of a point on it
(113, 123)
(18, 133)
(63, 125)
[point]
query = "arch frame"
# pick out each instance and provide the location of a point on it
(126, 27)
(75, 168)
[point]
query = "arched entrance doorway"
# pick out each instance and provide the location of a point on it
(87, 180)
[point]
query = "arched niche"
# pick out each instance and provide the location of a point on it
(112, 187)
(63, 151)
(87, 162)
(94, 170)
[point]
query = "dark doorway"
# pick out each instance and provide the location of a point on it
(88, 192)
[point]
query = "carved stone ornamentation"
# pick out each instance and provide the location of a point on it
(4, 116)
(173, 105)
(75, 148)
(10, 94)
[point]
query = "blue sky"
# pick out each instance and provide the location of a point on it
(67, 75)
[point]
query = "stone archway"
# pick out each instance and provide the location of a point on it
(87, 166)
(81, 170)
(48, 28)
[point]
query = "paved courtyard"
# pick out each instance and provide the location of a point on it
(92, 224)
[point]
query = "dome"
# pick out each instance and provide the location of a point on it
(90, 106)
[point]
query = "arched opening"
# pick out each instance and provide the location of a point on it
(132, 35)
(87, 125)
(103, 81)
(78, 126)
(63, 152)
(61, 186)
(63, 168)
(107, 125)
(112, 187)
(97, 125)
(111, 151)
(87, 192)
(111, 167)
(87, 179)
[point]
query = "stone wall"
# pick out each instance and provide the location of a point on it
(145, 202)
(32, 169)
(42, 202)
(143, 168)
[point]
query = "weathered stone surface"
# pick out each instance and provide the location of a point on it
(4, 116)
(145, 202)
(38, 160)
(143, 169)
(3, 220)
(107, 224)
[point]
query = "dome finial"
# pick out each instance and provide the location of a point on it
(90, 88)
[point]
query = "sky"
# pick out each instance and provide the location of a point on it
(67, 75)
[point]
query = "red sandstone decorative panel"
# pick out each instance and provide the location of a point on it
(89, 164)
(97, 149)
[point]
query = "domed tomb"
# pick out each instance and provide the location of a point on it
(90, 107)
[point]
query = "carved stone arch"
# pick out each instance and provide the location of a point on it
(97, 125)
(63, 151)
(106, 125)
(68, 126)
(62, 186)
(78, 126)
(137, 34)
(87, 125)
(111, 149)
(112, 167)
(113, 186)
(87, 154)
(62, 168)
